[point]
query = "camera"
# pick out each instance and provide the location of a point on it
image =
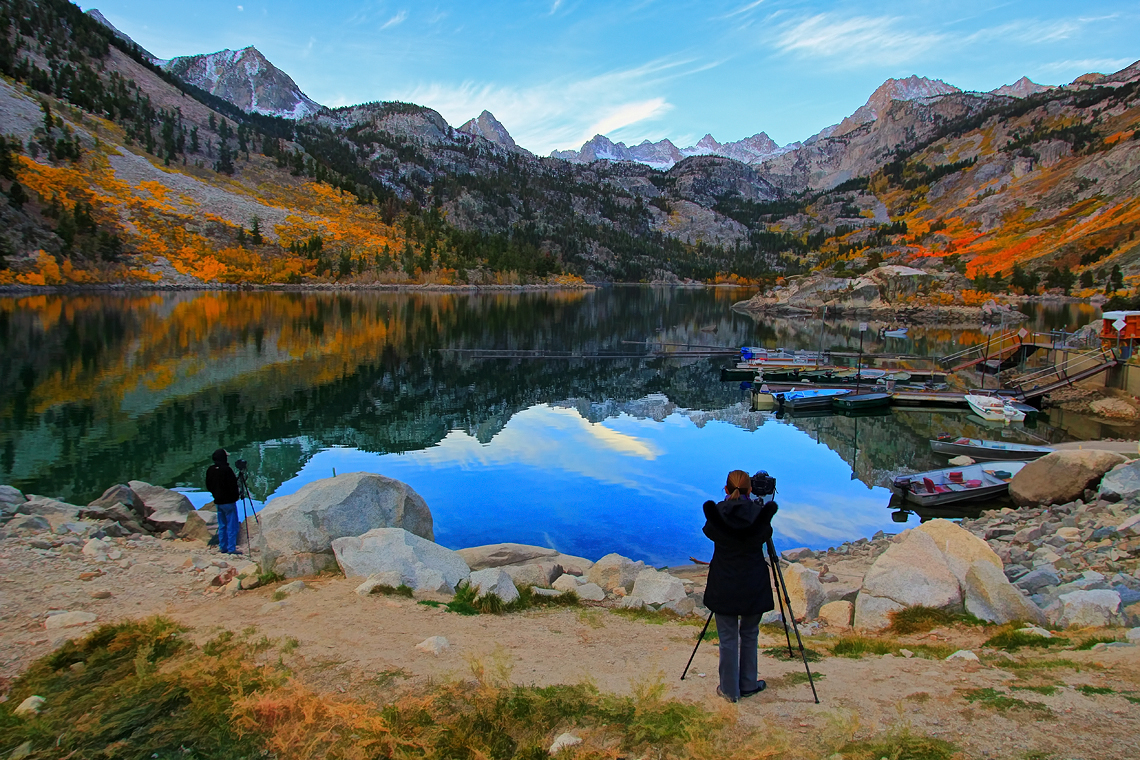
(243, 465)
(763, 484)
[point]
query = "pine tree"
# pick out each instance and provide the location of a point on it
(194, 140)
(16, 195)
(225, 164)
(255, 231)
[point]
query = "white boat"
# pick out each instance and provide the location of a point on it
(994, 409)
(954, 484)
(896, 333)
(982, 451)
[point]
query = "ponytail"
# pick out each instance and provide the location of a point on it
(739, 484)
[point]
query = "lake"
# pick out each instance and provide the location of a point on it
(584, 455)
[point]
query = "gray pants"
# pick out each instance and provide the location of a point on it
(738, 636)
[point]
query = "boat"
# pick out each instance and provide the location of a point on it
(861, 400)
(1031, 413)
(762, 401)
(816, 398)
(899, 332)
(982, 450)
(954, 484)
(994, 409)
(733, 374)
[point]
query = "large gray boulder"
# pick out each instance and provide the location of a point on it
(804, 590)
(614, 571)
(54, 511)
(500, 555)
(961, 548)
(911, 572)
(990, 596)
(297, 530)
(494, 580)
(1122, 482)
(423, 565)
(119, 494)
(1089, 609)
(533, 574)
(162, 508)
(653, 587)
(1061, 476)
(10, 499)
(200, 526)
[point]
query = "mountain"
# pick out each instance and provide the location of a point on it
(491, 129)
(1022, 88)
(246, 79)
(911, 88)
(664, 154)
(95, 14)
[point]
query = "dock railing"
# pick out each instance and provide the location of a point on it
(968, 357)
(1078, 366)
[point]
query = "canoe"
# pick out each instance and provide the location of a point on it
(817, 398)
(954, 484)
(994, 409)
(861, 400)
(983, 451)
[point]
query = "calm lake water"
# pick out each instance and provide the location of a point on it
(584, 455)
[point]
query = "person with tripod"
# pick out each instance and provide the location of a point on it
(222, 484)
(739, 589)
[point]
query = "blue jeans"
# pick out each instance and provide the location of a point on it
(738, 653)
(228, 528)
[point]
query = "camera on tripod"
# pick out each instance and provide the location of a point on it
(763, 484)
(242, 465)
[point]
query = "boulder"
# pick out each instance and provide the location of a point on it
(910, 572)
(1121, 483)
(200, 526)
(837, 614)
(29, 706)
(990, 596)
(614, 571)
(1038, 579)
(120, 494)
(571, 564)
(10, 499)
(795, 555)
(590, 592)
(964, 654)
(840, 591)
(498, 555)
(34, 523)
(805, 591)
(960, 547)
(562, 741)
(54, 511)
(69, 620)
(1089, 609)
(422, 564)
(533, 574)
(297, 531)
(683, 607)
(771, 617)
(1115, 409)
(653, 587)
(162, 508)
(1061, 476)
(873, 613)
(567, 583)
(433, 645)
(389, 578)
(118, 513)
(494, 580)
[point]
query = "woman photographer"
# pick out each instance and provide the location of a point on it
(739, 589)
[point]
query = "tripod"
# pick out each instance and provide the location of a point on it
(782, 596)
(247, 508)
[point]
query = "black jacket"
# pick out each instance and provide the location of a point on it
(222, 484)
(739, 581)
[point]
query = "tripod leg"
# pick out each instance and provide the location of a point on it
(780, 600)
(699, 640)
(787, 597)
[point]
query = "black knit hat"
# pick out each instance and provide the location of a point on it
(220, 456)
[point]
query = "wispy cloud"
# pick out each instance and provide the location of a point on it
(395, 20)
(1076, 68)
(555, 6)
(862, 39)
(1030, 31)
(743, 9)
(563, 113)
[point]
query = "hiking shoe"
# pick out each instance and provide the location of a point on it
(724, 696)
(760, 686)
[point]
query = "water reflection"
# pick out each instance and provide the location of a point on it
(586, 455)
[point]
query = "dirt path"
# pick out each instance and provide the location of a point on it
(337, 641)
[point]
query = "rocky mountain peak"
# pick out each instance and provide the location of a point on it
(485, 125)
(95, 14)
(247, 79)
(1022, 88)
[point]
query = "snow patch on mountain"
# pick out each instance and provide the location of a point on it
(246, 79)
(663, 155)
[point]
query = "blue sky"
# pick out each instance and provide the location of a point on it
(556, 72)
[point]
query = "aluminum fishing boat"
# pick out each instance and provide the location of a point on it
(953, 484)
(983, 451)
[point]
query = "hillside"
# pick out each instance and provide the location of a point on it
(121, 168)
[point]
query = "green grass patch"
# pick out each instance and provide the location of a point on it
(919, 619)
(387, 677)
(264, 579)
(899, 745)
(1131, 698)
(1058, 663)
(997, 701)
(279, 595)
(1088, 644)
(468, 601)
(781, 653)
(795, 678)
(289, 645)
(857, 646)
(1047, 691)
(402, 590)
(646, 615)
(1092, 691)
(147, 692)
(1011, 641)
